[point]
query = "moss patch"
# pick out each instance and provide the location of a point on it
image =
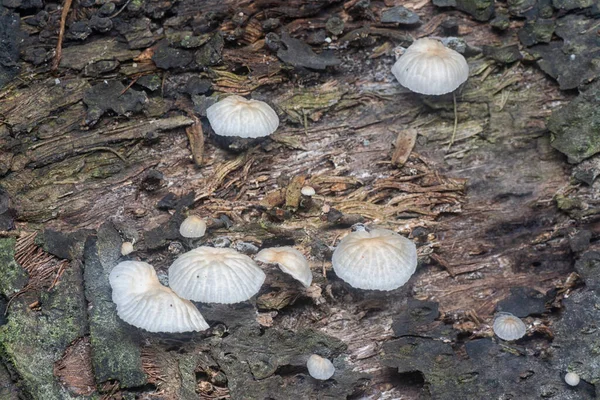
(32, 341)
(13, 276)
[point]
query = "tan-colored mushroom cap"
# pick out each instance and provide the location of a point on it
(289, 260)
(428, 67)
(214, 275)
(126, 248)
(376, 260)
(237, 116)
(319, 367)
(192, 227)
(144, 303)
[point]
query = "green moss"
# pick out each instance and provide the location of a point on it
(576, 127)
(32, 341)
(306, 103)
(13, 276)
(567, 204)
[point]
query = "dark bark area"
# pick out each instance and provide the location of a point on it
(114, 146)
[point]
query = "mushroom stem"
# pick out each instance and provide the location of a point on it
(455, 123)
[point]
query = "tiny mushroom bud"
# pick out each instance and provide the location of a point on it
(237, 116)
(192, 227)
(126, 248)
(319, 367)
(308, 191)
(508, 327)
(376, 260)
(214, 275)
(143, 302)
(290, 261)
(572, 379)
(428, 67)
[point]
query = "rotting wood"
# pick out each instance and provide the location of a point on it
(336, 131)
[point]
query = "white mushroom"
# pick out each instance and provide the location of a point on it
(308, 191)
(378, 260)
(572, 379)
(214, 275)
(237, 116)
(428, 67)
(126, 248)
(289, 260)
(319, 367)
(144, 303)
(508, 327)
(192, 227)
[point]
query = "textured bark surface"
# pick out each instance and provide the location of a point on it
(115, 147)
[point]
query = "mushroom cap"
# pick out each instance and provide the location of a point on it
(377, 260)
(192, 227)
(572, 379)
(289, 260)
(213, 275)
(319, 367)
(428, 67)
(508, 327)
(308, 191)
(126, 248)
(237, 116)
(144, 303)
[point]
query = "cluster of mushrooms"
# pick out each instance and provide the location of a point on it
(379, 259)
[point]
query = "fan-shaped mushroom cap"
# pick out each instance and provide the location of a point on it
(192, 227)
(508, 327)
(212, 275)
(378, 260)
(144, 303)
(237, 116)
(319, 367)
(289, 260)
(428, 67)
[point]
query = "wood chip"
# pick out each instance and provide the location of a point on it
(405, 142)
(196, 138)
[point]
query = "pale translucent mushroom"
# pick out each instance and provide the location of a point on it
(377, 260)
(237, 116)
(572, 379)
(143, 302)
(192, 227)
(289, 260)
(508, 327)
(319, 367)
(428, 67)
(213, 275)
(308, 191)
(126, 248)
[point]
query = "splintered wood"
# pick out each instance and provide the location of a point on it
(44, 269)
(74, 369)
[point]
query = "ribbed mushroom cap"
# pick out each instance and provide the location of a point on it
(144, 303)
(212, 275)
(377, 260)
(572, 379)
(192, 227)
(319, 367)
(508, 327)
(237, 116)
(428, 67)
(289, 260)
